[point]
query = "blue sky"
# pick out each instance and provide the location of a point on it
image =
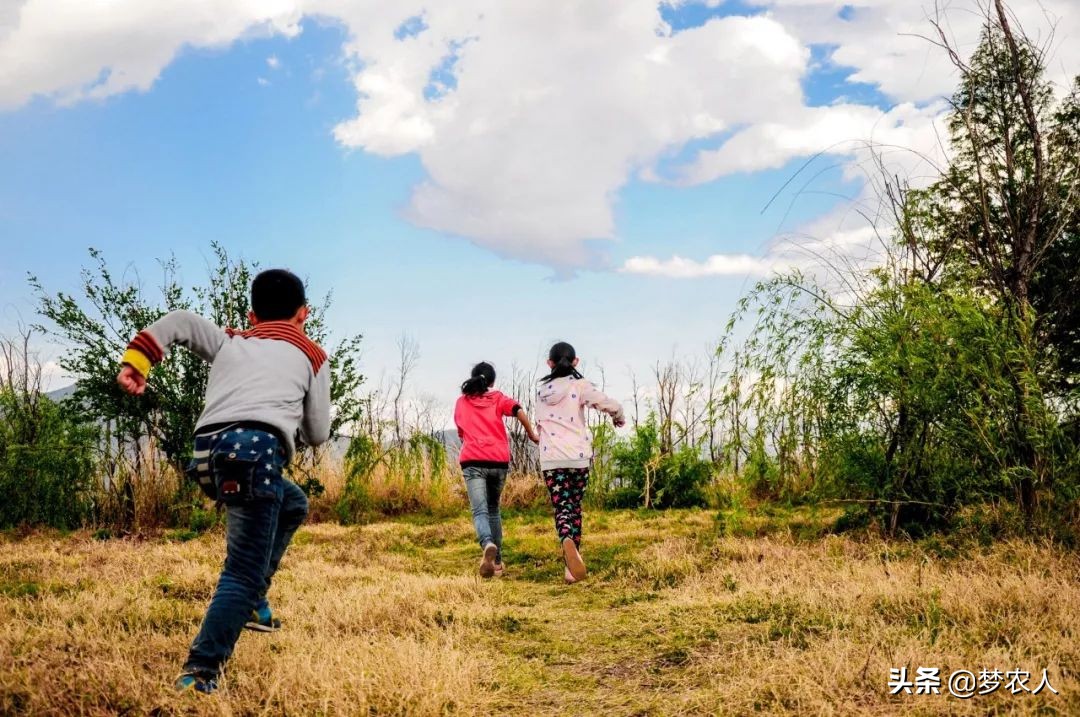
(236, 143)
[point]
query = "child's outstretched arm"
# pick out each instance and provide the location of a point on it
(523, 419)
(509, 407)
(152, 343)
(595, 398)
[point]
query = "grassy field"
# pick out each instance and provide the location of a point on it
(678, 616)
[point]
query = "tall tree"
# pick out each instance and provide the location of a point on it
(1002, 210)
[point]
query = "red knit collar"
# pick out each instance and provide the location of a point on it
(285, 331)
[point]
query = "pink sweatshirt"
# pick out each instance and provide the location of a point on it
(479, 420)
(565, 441)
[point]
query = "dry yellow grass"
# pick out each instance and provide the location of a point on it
(391, 492)
(390, 618)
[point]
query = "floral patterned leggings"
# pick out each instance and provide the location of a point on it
(567, 488)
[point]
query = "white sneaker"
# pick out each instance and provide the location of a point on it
(487, 563)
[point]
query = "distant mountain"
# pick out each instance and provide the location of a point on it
(449, 439)
(61, 393)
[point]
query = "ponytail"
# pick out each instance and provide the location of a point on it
(482, 378)
(562, 355)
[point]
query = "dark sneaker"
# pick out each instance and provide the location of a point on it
(487, 564)
(574, 563)
(263, 621)
(196, 682)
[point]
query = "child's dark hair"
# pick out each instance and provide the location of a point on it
(483, 378)
(562, 355)
(277, 294)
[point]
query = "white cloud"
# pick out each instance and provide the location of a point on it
(717, 265)
(530, 117)
(71, 50)
(541, 120)
(554, 111)
(273, 62)
(842, 239)
(839, 130)
(905, 142)
(884, 40)
(46, 375)
(53, 377)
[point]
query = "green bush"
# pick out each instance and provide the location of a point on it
(46, 462)
(681, 479)
(761, 474)
(643, 474)
(627, 497)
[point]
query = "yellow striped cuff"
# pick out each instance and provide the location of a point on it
(137, 360)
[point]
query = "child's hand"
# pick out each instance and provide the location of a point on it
(131, 380)
(534, 438)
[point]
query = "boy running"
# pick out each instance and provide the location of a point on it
(267, 386)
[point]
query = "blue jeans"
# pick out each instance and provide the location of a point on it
(484, 486)
(262, 518)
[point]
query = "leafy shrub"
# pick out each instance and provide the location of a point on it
(761, 473)
(46, 462)
(681, 479)
(646, 476)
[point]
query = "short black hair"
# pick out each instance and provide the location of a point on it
(277, 294)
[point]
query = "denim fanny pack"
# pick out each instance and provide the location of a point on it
(237, 464)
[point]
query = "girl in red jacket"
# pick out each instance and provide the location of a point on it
(485, 456)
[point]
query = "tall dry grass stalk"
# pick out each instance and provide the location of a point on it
(524, 491)
(408, 480)
(145, 493)
(141, 492)
(329, 472)
(391, 493)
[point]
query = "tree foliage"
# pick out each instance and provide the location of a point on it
(96, 325)
(951, 376)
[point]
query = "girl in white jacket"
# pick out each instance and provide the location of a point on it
(566, 446)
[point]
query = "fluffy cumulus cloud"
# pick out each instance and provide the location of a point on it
(72, 50)
(904, 142)
(843, 130)
(529, 116)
